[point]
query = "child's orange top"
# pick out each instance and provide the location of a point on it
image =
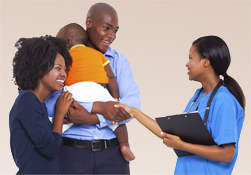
(87, 65)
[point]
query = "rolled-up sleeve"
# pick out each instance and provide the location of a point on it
(129, 90)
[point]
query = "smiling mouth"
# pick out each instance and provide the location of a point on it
(61, 82)
(107, 42)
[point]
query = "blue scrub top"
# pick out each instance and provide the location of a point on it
(224, 124)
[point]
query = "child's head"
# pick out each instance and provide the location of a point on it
(35, 57)
(74, 34)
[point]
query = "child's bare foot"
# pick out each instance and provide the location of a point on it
(126, 152)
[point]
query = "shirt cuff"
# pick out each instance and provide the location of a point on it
(103, 122)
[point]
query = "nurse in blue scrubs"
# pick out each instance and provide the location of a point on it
(209, 58)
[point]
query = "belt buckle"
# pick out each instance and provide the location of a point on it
(93, 142)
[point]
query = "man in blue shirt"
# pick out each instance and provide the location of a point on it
(83, 150)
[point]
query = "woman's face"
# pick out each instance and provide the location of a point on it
(195, 65)
(54, 79)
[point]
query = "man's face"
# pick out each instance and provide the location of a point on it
(102, 30)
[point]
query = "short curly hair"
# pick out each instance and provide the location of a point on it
(35, 57)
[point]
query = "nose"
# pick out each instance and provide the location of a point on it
(111, 34)
(187, 64)
(63, 73)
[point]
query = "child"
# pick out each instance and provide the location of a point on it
(209, 57)
(38, 69)
(90, 74)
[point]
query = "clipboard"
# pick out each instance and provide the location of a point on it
(189, 127)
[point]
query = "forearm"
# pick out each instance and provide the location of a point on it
(88, 120)
(57, 124)
(148, 122)
(97, 108)
(112, 86)
(224, 153)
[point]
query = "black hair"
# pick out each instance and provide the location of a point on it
(35, 57)
(216, 50)
(76, 32)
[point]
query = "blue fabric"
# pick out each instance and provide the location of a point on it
(224, 124)
(34, 147)
(129, 93)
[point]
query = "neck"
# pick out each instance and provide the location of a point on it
(209, 83)
(41, 93)
(88, 44)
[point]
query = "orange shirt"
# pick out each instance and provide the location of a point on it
(87, 65)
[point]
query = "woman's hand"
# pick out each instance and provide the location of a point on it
(129, 110)
(172, 141)
(110, 112)
(63, 104)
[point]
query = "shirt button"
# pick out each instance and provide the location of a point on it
(103, 120)
(96, 138)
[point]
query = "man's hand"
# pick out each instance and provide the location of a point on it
(110, 112)
(78, 114)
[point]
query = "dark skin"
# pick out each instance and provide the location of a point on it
(101, 28)
(200, 70)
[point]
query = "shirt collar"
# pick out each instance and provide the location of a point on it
(109, 52)
(77, 45)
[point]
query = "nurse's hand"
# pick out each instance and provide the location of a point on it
(172, 141)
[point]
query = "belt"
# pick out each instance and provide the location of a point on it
(92, 145)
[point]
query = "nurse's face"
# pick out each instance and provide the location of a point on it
(195, 65)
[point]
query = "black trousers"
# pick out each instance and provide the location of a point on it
(84, 161)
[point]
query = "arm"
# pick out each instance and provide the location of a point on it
(34, 119)
(62, 105)
(112, 85)
(148, 122)
(78, 114)
(129, 91)
(222, 153)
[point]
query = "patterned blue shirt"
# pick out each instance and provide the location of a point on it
(129, 93)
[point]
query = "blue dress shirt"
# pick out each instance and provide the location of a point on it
(129, 93)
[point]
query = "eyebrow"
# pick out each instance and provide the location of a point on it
(111, 25)
(58, 65)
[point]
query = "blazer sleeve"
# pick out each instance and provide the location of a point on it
(33, 117)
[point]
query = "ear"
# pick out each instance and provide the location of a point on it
(206, 62)
(69, 43)
(88, 22)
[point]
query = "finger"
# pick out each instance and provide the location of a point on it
(119, 116)
(71, 100)
(62, 94)
(125, 114)
(75, 104)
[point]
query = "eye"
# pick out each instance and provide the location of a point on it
(106, 28)
(58, 68)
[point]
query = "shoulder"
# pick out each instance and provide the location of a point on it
(224, 95)
(115, 54)
(26, 95)
(224, 98)
(27, 99)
